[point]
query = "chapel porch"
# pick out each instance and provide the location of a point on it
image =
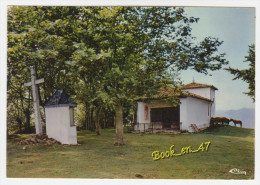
(161, 117)
(158, 127)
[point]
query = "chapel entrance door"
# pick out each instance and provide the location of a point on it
(168, 117)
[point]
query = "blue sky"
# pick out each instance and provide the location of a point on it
(236, 27)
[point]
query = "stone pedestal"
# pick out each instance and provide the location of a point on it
(59, 113)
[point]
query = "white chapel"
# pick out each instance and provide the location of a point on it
(197, 106)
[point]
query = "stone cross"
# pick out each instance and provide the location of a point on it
(33, 83)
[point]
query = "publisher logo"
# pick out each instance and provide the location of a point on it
(237, 171)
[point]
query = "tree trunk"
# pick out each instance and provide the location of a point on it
(19, 121)
(28, 124)
(91, 119)
(28, 115)
(85, 125)
(88, 122)
(119, 125)
(97, 125)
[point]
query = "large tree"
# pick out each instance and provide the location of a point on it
(247, 75)
(135, 46)
(107, 56)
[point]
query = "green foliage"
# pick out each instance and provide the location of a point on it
(34, 40)
(247, 75)
(103, 56)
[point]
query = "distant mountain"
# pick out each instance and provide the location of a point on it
(246, 115)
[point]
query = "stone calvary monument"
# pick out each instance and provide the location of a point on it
(33, 83)
(59, 111)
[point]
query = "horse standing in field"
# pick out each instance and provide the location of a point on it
(217, 120)
(236, 122)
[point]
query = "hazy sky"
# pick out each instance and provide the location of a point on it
(236, 27)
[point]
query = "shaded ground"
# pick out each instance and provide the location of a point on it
(97, 157)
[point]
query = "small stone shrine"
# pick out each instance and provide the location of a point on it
(59, 111)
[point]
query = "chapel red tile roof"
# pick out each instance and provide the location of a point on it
(167, 92)
(194, 85)
(171, 91)
(197, 96)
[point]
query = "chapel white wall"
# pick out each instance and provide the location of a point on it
(194, 111)
(60, 124)
(205, 92)
(213, 104)
(183, 114)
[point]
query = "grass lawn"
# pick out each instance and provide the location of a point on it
(97, 157)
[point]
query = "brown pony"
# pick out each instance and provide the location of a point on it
(218, 120)
(236, 122)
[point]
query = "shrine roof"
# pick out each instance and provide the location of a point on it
(60, 98)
